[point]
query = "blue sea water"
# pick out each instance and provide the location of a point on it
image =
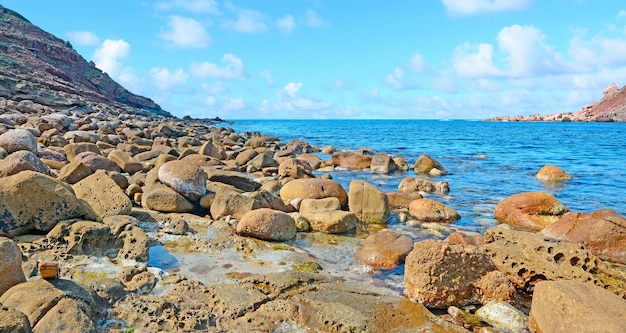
(593, 153)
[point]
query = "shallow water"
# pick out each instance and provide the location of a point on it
(593, 153)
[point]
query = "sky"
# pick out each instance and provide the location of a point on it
(348, 59)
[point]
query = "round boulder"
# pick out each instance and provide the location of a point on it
(432, 211)
(314, 188)
(428, 165)
(385, 249)
(267, 224)
(552, 173)
(10, 265)
(185, 178)
(18, 139)
(530, 211)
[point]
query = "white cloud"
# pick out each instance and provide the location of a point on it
(213, 89)
(597, 52)
(527, 51)
(83, 37)
(292, 88)
(472, 7)
(248, 20)
(233, 104)
(194, 6)
(311, 19)
(232, 69)
(416, 64)
(267, 76)
(286, 24)
(475, 61)
(341, 84)
(621, 14)
(394, 79)
(109, 54)
(165, 79)
(186, 33)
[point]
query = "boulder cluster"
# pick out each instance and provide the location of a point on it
(78, 185)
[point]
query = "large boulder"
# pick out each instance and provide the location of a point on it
(295, 168)
(165, 199)
(103, 195)
(73, 149)
(96, 162)
(18, 139)
(530, 211)
(438, 274)
(552, 173)
(55, 305)
(20, 161)
(332, 222)
(402, 200)
(230, 202)
(602, 232)
(267, 224)
(382, 163)
(125, 161)
(368, 203)
(385, 249)
(432, 211)
(13, 321)
(49, 201)
(314, 188)
(188, 179)
(528, 258)
(572, 306)
(428, 165)
(10, 265)
(74, 172)
(351, 160)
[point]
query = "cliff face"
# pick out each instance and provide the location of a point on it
(37, 66)
(612, 107)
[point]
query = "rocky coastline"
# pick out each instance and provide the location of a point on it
(610, 108)
(99, 193)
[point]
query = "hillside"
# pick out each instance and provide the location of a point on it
(611, 107)
(37, 66)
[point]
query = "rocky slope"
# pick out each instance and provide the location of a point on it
(612, 107)
(39, 67)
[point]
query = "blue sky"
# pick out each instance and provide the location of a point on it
(316, 59)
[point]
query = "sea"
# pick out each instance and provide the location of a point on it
(486, 162)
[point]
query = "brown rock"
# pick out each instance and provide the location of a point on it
(351, 160)
(125, 161)
(211, 149)
(188, 179)
(427, 186)
(18, 139)
(13, 321)
(432, 211)
(310, 206)
(96, 162)
(103, 195)
(368, 203)
(332, 222)
(246, 155)
(267, 224)
(382, 163)
(460, 238)
(552, 173)
(10, 265)
(295, 168)
(202, 160)
(399, 200)
(20, 161)
(531, 211)
(165, 199)
(73, 149)
(49, 201)
(230, 202)
(528, 258)
(313, 188)
(427, 165)
(385, 249)
(74, 172)
(262, 161)
(602, 232)
(407, 185)
(237, 179)
(572, 306)
(54, 306)
(438, 274)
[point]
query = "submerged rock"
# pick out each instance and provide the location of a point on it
(432, 211)
(531, 211)
(552, 173)
(385, 249)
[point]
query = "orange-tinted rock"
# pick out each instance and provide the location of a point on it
(552, 173)
(432, 211)
(351, 160)
(385, 249)
(428, 165)
(295, 168)
(529, 211)
(571, 306)
(602, 232)
(460, 238)
(314, 188)
(398, 200)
